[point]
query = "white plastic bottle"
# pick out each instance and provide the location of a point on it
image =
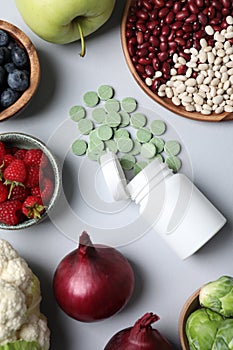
(171, 203)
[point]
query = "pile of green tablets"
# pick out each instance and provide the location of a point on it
(107, 124)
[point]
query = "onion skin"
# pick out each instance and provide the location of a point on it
(93, 282)
(140, 336)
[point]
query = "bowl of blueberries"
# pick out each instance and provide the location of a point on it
(19, 70)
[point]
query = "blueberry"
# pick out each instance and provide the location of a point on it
(5, 55)
(8, 97)
(18, 80)
(19, 56)
(4, 38)
(2, 78)
(9, 67)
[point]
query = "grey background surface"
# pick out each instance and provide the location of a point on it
(163, 281)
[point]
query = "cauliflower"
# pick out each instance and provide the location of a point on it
(22, 326)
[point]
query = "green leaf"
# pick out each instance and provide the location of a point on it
(21, 345)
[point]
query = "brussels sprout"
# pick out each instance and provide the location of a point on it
(224, 336)
(218, 296)
(201, 329)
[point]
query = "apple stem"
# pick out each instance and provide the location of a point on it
(83, 50)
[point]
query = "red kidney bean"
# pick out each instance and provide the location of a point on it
(154, 14)
(181, 70)
(142, 53)
(159, 3)
(172, 45)
(140, 38)
(147, 5)
(196, 26)
(226, 11)
(156, 63)
(193, 8)
(128, 33)
(145, 45)
(155, 85)
(156, 31)
(224, 25)
(165, 30)
(141, 26)
(163, 12)
(180, 41)
(163, 47)
(151, 24)
(171, 35)
(191, 19)
(185, 56)
(177, 6)
(135, 59)
(149, 70)
(215, 21)
(163, 38)
(146, 36)
(217, 4)
(151, 55)
(144, 61)
(182, 15)
(132, 40)
(217, 28)
(154, 41)
(169, 3)
(177, 25)
(199, 3)
(187, 28)
(194, 75)
(141, 14)
(179, 32)
(170, 17)
(166, 68)
(163, 56)
(212, 12)
(140, 68)
(131, 49)
(202, 18)
(226, 3)
(189, 44)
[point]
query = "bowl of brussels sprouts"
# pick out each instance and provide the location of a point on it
(206, 319)
(19, 70)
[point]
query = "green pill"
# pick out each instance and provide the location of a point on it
(173, 163)
(113, 119)
(99, 115)
(159, 144)
(96, 147)
(172, 148)
(158, 127)
(138, 120)
(129, 104)
(104, 132)
(105, 92)
(125, 119)
(85, 126)
(111, 146)
(124, 145)
(136, 148)
(127, 162)
(91, 99)
(148, 150)
(112, 105)
(121, 133)
(139, 166)
(143, 135)
(79, 147)
(77, 113)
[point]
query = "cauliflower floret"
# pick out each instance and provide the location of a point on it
(17, 272)
(12, 309)
(36, 329)
(7, 252)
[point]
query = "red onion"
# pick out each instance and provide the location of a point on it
(140, 336)
(93, 282)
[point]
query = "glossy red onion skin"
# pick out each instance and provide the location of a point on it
(88, 301)
(138, 338)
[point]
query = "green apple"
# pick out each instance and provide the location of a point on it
(65, 21)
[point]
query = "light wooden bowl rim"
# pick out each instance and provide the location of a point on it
(190, 305)
(165, 102)
(19, 36)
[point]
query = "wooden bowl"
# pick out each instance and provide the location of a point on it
(165, 102)
(22, 39)
(190, 306)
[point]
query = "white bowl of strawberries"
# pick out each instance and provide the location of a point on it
(30, 181)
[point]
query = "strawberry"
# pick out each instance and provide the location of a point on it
(10, 212)
(20, 193)
(7, 159)
(33, 176)
(3, 192)
(35, 157)
(15, 174)
(33, 207)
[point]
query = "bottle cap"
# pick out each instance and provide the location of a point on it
(114, 176)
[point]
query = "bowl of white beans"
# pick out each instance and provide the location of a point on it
(181, 54)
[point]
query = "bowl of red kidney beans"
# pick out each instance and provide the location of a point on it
(181, 54)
